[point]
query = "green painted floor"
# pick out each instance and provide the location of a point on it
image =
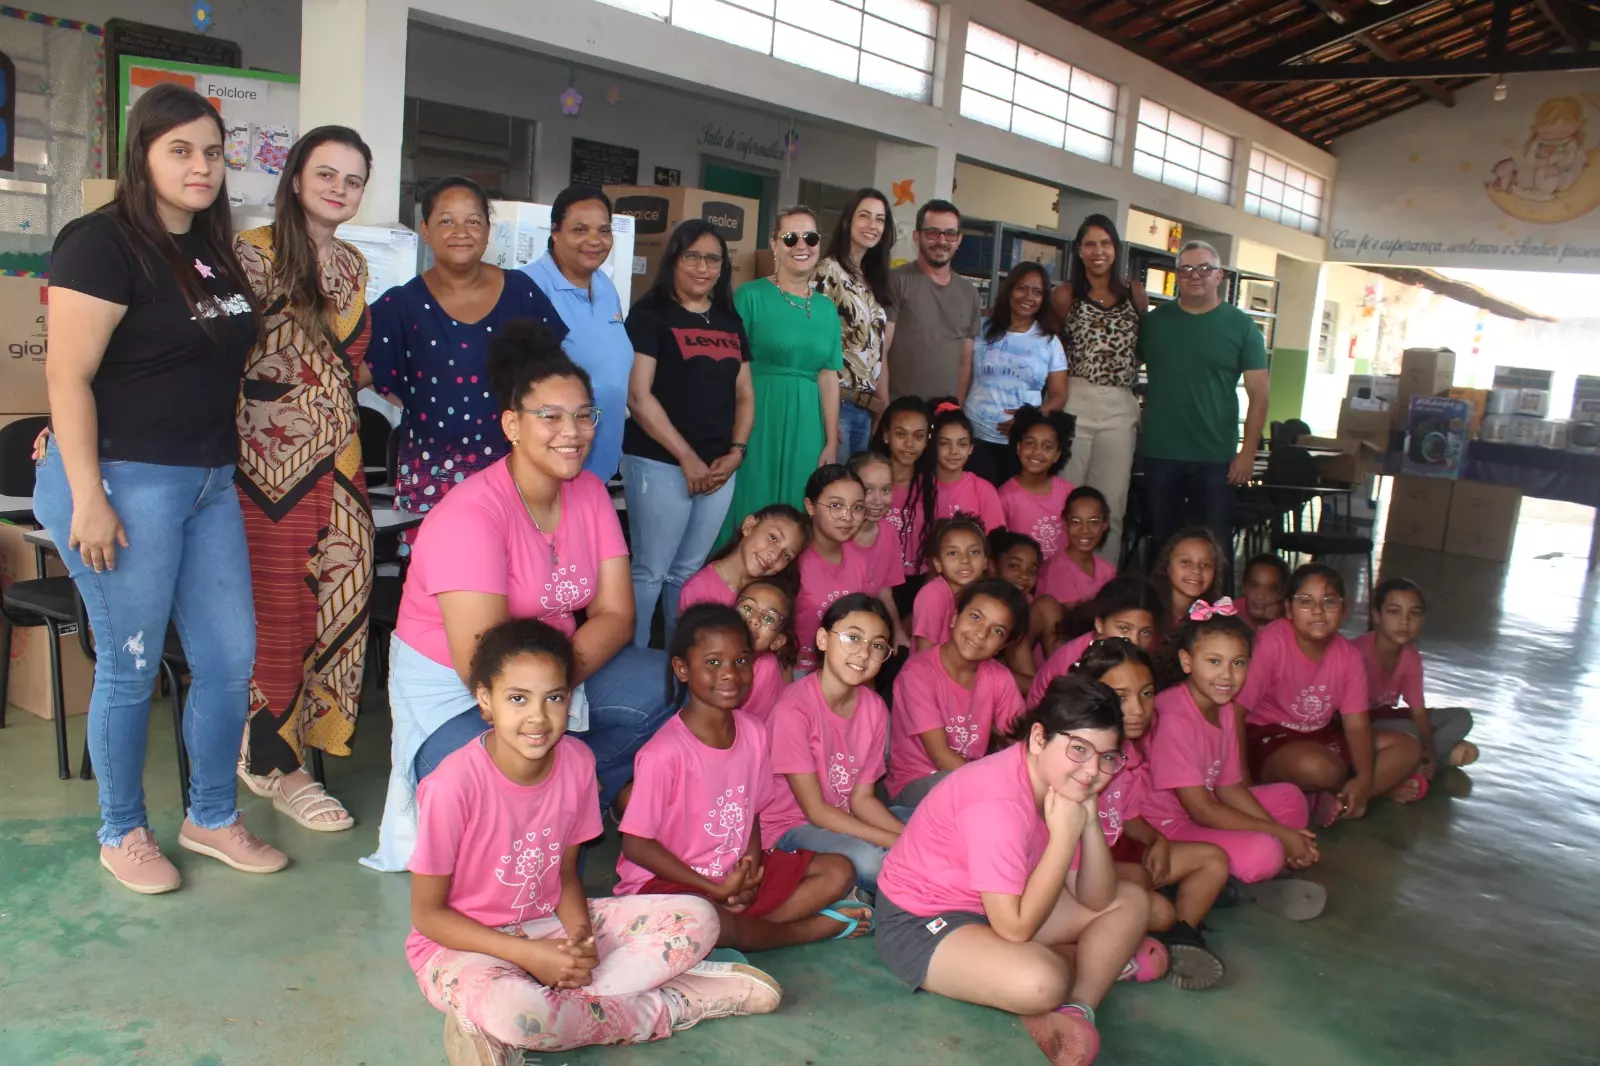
(1460, 930)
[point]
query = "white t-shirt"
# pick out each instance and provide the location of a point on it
(1008, 373)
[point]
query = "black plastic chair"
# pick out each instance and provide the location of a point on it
(375, 432)
(1293, 484)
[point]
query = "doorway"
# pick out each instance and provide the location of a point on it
(749, 182)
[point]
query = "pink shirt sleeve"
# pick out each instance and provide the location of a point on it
(873, 764)
(442, 813)
(997, 834)
(462, 548)
(791, 733)
(706, 586)
(1351, 680)
(1058, 664)
(656, 771)
(932, 610)
(1178, 754)
(590, 500)
(1006, 698)
(1231, 773)
(1408, 677)
(989, 509)
(917, 705)
(1259, 677)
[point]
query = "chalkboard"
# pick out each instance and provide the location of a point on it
(124, 38)
(597, 163)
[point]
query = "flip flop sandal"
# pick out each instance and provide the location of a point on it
(1422, 786)
(850, 924)
(1289, 897)
(1149, 962)
(308, 801)
(1326, 810)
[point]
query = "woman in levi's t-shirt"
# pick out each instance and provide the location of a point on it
(1197, 871)
(1034, 500)
(592, 971)
(1196, 785)
(977, 897)
(878, 539)
(1078, 572)
(1307, 720)
(950, 698)
(958, 555)
(532, 536)
(764, 544)
(829, 731)
(1126, 607)
(831, 566)
(701, 784)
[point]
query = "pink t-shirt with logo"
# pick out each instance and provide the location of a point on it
(978, 831)
(696, 801)
(501, 843)
(479, 538)
(973, 495)
(1186, 751)
(1057, 665)
(1066, 581)
(1124, 796)
(766, 685)
(884, 567)
(933, 610)
(1286, 689)
(809, 738)
(1391, 695)
(894, 524)
(822, 582)
(1037, 516)
(706, 586)
(926, 697)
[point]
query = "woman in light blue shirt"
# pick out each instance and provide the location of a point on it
(587, 301)
(1017, 359)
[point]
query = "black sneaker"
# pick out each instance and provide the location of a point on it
(1193, 967)
(1229, 896)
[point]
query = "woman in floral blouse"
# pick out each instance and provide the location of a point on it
(855, 276)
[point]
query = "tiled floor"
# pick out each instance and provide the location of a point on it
(1461, 930)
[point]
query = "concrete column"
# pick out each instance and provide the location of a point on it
(1294, 335)
(353, 73)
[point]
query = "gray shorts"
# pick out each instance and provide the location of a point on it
(906, 942)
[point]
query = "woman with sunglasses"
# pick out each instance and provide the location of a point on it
(690, 407)
(533, 536)
(796, 353)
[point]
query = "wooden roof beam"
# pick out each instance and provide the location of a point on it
(1406, 70)
(1384, 52)
(1339, 28)
(1566, 22)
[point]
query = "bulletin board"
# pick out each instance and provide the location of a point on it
(260, 115)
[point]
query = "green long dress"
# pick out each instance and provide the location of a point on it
(788, 349)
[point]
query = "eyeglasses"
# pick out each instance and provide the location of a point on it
(766, 618)
(878, 649)
(1310, 603)
(1081, 751)
(1086, 523)
(712, 260)
(810, 236)
(838, 508)
(1205, 270)
(553, 418)
(930, 233)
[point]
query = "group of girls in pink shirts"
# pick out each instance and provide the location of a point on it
(1034, 813)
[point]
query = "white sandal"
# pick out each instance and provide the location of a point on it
(265, 787)
(306, 803)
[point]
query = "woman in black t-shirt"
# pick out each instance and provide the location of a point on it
(690, 406)
(150, 321)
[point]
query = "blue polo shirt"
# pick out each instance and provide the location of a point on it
(597, 340)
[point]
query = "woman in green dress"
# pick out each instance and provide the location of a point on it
(795, 358)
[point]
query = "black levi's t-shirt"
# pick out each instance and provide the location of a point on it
(167, 389)
(697, 368)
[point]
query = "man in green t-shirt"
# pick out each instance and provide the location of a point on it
(1195, 349)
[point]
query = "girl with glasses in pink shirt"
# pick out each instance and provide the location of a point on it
(832, 566)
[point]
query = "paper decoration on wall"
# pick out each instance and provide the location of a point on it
(791, 141)
(201, 15)
(236, 146)
(903, 193)
(271, 148)
(613, 96)
(571, 102)
(1553, 178)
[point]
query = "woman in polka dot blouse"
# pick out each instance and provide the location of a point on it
(429, 340)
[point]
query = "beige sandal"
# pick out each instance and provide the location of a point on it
(266, 787)
(306, 803)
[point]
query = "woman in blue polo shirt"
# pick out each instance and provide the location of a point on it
(587, 301)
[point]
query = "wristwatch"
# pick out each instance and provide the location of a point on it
(744, 449)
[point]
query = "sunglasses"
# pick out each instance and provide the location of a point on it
(810, 236)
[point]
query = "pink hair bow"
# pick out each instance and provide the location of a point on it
(1200, 610)
(946, 406)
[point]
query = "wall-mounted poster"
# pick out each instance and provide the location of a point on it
(260, 113)
(600, 164)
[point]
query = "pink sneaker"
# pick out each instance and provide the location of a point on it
(235, 845)
(1067, 1035)
(722, 990)
(1149, 962)
(137, 864)
(465, 1045)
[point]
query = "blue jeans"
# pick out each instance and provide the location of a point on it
(187, 563)
(673, 532)
(1180, 492)
(855, 430)
(627, 704)
(866, 857)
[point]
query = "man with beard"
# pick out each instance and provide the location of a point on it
(937, 311)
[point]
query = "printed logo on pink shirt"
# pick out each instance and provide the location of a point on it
(842, 774)
(1111, 812)
(730, 826)
(1047, 531)
(960, 736)
(1213, 772)
(531, 859)
(565, 592)
(896, 518)
(1310, 710)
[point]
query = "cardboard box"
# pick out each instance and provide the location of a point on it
(1371, 426)
(1423, 372)
(519, 234)
(1522, 377)
(1586, 398)
(30, 650)
(97, 192)
(1419, 511)
(1483, 520)
(23, 331)
(1357, 460)
(1436, 437)
(1479, 399)
(1384, 387)
(657, 210)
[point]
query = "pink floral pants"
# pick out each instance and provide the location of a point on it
(644, 941)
